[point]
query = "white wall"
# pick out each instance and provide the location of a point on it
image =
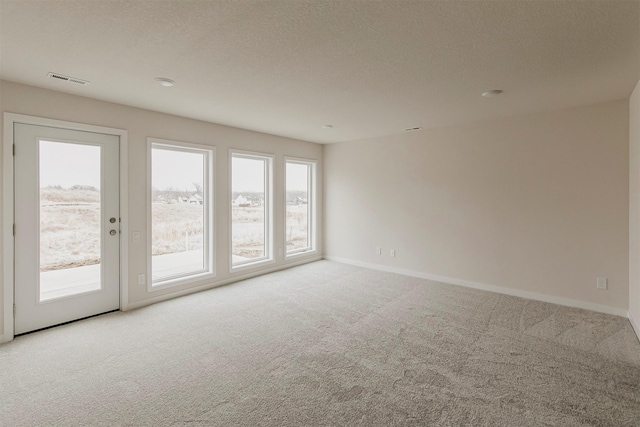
(140, 124)
(535, 203)
(634, 209)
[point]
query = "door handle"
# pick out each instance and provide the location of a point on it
(113, 232)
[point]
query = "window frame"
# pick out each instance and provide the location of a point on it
(312, 236)
(269, 257)
(209, 272)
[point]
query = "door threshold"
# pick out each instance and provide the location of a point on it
(65, 323)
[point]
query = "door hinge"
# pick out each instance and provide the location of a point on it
(14, 229)
(13, 149)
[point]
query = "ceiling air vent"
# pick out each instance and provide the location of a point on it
(68, 78)
(413, 129)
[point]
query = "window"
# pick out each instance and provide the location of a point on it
(251, 226)
(300, 206)
(181, 212)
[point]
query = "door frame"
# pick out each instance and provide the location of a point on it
(8, 209)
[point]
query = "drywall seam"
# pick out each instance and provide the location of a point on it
(212, 285)
(485, 287)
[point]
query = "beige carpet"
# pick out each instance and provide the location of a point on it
(328, 344)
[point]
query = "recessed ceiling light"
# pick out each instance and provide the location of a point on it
(491, 93)
(327, 126)
(162, 81)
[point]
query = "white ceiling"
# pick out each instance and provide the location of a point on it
(369, 68)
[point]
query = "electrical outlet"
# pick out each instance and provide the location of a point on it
(378, 251)
(141, 279)
(392, 253)
(601, 283)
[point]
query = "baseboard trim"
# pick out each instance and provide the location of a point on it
(215, 284)
(485, 287)
(635, 325)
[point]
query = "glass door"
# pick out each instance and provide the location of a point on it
(67, 225)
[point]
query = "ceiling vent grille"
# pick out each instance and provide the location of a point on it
(68, 78)
(413, 129)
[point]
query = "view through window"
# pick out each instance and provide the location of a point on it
(250, 208)
(181, 243)
(299, 202)
(70, 210)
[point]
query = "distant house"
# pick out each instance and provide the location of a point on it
(195, 199)
(241, 202)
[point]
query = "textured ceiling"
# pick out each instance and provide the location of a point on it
(368, 68)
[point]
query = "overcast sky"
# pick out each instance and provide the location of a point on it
(297, 177)
(67, 165)
(176, 169)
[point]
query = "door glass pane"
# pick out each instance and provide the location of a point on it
(178, 213)
(70, 235)
(248, 209)
(297, 221)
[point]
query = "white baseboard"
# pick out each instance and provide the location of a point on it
(635, 325)
(166, 297)
(491, 288)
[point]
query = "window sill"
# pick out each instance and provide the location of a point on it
(301, 253)
(178, 281)
(252, 264)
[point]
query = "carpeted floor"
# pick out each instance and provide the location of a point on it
(327, 344)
